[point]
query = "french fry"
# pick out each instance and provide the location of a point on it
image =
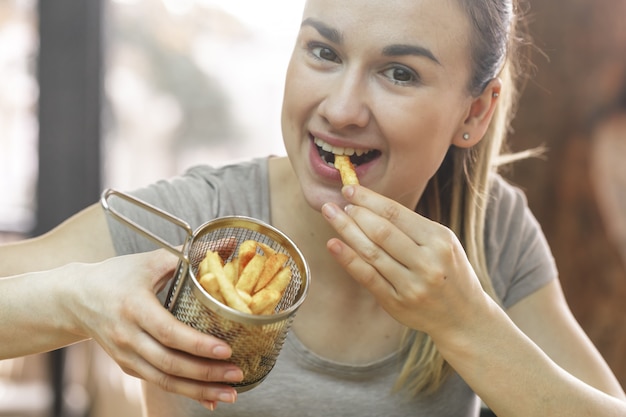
(280, 281)
(273, 264)
(253, 282)
(230, 269)
(232, 297)
(250, 274)
(209, 283)
(247, 250)
(267, 249)
(270, 309)
(205, 266)
(245, 297)
(227, 289)
(265, 300)
(346, 170)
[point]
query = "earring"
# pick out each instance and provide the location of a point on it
(496, 95)
(466, 136)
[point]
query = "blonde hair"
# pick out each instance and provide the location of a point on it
(458, 193)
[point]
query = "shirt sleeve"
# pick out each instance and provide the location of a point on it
(518, 255)
(203, 193)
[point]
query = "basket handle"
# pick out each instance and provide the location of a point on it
(104, 200)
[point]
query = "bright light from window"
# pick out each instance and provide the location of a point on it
(179, 7)
(212, 69)
(273, 15)
(18, 124)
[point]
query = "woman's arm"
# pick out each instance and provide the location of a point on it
(419, 273)
(83, 237)
(83, 292)
(36, 315)
(515, 377)
(545, 317)
(50, 309)
(33, 303)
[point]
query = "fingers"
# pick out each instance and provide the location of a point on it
(418, 228)
(367, 258)
(175, 357)
(381, 239)
(175, 334)
(208, 387)
(205, 391)
(181, 364)
(373, 240)
(363, 272)
(179, 373)
(162, 326)
(144, 338)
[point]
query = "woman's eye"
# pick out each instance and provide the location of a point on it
(401, 75)
(324, 53)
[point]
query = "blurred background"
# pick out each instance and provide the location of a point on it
(119, 93)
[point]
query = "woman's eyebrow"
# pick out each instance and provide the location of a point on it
(401, 49)
(326, 31)
(335, 36)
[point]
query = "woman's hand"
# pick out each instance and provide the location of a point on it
(416, 268)
(115, 303)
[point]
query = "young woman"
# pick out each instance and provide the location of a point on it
(432, 284)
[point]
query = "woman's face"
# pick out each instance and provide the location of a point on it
(383, 80)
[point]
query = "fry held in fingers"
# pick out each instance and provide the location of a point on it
(346, 170)
(253, 282)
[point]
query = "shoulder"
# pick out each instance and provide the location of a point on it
(204, 192)
(244, 174)
(518, 255)
(201, 194)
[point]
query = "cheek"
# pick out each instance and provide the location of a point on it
(418, 135)
(289, 107)
(294, 107)
(418, 145)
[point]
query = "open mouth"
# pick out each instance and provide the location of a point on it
(357, 156)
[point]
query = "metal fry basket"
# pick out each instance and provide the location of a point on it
(256, 340)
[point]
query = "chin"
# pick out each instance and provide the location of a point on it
(316, 196)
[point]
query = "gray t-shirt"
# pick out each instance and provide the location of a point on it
(302, 383)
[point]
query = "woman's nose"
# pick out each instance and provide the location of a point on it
(345, 103)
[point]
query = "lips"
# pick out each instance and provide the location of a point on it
(357, 156)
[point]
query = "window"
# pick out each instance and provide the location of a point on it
(18, 119)
(192, 82)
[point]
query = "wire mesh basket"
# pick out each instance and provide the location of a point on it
(256, 340)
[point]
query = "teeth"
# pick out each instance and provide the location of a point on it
(337, 150)
(327, 147)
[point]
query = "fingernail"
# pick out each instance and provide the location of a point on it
(233, 375)
(227, 397)
(221, 352)
(209, 405)
(348, 191)
(329, 211)
(334, 247)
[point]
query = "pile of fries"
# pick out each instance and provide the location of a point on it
(252, 282)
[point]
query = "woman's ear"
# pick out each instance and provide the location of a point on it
(479, 116)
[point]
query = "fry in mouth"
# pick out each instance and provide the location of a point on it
(346, 170)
